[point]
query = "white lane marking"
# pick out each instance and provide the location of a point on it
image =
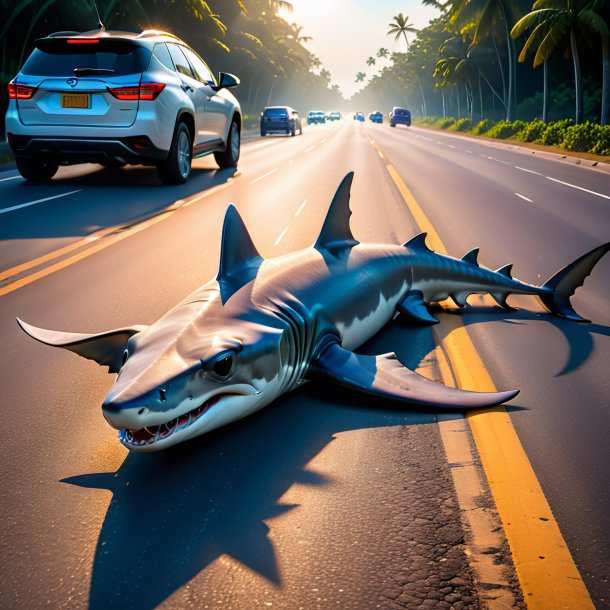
(524, 197)
(251, 147)
(301, 207)
(265, 175)
(10, 178)
(438, 142)
(291, 161)
(310, 148)
(323, 139)
(529, 171)
(492, 158)
(580, 188)
(279, 239)
(25, 205)
(469, 152)
(451, 145)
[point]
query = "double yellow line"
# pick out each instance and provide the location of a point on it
(544, 565)
(18, 276)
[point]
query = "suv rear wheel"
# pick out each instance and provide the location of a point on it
(37, 170)
(230, 156)
(177, 167)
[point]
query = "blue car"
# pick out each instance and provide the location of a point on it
(400, 116)
(359, 116)
(376, 117)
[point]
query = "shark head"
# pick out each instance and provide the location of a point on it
(169, 391)
(211, 360)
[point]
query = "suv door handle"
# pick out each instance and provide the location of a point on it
(187, 88)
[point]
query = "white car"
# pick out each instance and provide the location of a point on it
(119, 98)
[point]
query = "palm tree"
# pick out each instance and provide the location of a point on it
(360, 77)
(296, 34)
(370, 61)
(598, 18)
(551, 21)
(484, 13)
(383, 53)
(399, 26)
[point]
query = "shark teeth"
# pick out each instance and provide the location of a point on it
(152, 434)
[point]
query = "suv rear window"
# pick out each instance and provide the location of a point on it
(55, 57)
(276, 112)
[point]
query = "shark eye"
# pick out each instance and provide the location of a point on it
(224, 366)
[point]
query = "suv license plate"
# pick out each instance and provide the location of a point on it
(75, 100)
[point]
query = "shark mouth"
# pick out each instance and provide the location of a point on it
(153, 434)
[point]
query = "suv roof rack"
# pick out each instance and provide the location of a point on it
(151, 33)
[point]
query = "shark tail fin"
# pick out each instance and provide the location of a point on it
(563, 284)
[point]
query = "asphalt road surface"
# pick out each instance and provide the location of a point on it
(325, 499)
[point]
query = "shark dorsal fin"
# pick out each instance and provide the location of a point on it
(506, 270)
(472, 257)
(418, 243)
(336, 233)
(239, 258)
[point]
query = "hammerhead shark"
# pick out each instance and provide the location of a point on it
(264, 327)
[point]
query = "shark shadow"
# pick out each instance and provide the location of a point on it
(579, 337)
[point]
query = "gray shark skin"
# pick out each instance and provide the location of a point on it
(264, 327)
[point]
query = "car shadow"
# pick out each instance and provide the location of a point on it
(117, 197)
(173, 513)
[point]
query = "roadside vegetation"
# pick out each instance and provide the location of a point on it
(503, 61)
(588, 137)
(253, 39)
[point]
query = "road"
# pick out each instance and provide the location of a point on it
(323, 499)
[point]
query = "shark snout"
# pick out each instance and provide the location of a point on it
(119, 415)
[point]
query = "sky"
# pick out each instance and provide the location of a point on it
(346, 32)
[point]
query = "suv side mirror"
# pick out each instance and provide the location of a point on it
(226, 80)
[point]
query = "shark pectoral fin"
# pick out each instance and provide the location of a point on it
(413, 306)
(385, 376)
(105, 348)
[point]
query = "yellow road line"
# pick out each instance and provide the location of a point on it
(98, 244)
(546, 570)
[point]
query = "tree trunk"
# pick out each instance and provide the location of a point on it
(480, 98)
(545, 99)
(444, 107)
(504, 101)
(423, 98)
(605, 79)
(512, 65)
(577, 77)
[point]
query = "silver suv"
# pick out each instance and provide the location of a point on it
(120, 98)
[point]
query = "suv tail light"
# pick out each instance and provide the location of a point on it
(20, 92)
(146, 91)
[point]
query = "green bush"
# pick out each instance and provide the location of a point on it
(555, 132)
(481, 127)
(532, 132)
(505, 129)
(445, 122)
(602, 146)
(587, 137)
(462, 125)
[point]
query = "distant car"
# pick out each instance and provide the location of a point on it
(118, 98)
(280, 119)
(400, 116)
(334, 116)
(376, 117)
(316, 117)
(359, 116)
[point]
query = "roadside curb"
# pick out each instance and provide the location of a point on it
(564, 158)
